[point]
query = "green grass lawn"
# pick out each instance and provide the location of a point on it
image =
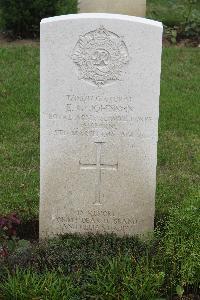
(105, 267)
(19, 94)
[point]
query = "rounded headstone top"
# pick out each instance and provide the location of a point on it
(127, 7)
(105, 16)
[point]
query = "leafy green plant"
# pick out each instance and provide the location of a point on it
(22, 18)
(179, 291)
(9, 242)
(190, 27)
(181, 18)
(171, 34)
(65, 7)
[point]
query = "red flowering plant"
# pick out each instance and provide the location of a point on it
(8, 226)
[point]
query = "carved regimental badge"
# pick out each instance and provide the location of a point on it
(100, 56)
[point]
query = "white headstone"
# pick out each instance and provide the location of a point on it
(100, 83)
(127, 7)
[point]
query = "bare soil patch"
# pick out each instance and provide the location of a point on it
(7, 41)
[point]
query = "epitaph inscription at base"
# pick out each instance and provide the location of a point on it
(100, 82)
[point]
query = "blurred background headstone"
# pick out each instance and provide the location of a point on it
(127, 7)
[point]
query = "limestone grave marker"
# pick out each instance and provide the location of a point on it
(127, 7)
(100, 83)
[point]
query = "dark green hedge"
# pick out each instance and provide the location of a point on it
(21, 18)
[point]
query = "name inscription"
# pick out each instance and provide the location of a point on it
(101, 116)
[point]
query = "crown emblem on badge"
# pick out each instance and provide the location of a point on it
(100, 56)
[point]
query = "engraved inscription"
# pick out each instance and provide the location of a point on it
(97, 220)
(99, 98)
(98, 167)
(100, 56)
(101, 117)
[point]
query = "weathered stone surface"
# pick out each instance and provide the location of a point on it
(100, 82)
(126, 7)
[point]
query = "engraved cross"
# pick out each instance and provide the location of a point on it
(98, 166)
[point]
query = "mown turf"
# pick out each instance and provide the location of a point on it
(179, 128)
(19, 99)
